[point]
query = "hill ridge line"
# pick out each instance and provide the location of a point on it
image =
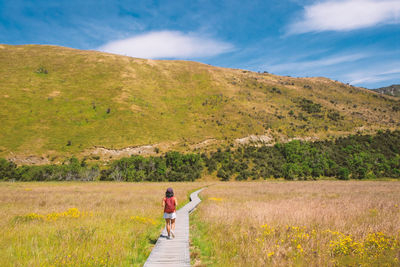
(60, 102)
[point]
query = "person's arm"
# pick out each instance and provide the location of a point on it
(176, 202)
(163, 202)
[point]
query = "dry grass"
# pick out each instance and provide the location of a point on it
(299, 223)
(115, 224)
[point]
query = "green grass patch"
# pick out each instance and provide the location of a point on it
(202, 249)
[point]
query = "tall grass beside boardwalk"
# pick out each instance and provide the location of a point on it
(322, 223)
(81, 224)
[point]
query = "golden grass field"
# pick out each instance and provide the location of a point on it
(81, 224)
(324, 223)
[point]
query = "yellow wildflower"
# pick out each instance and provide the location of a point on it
(268, 230)
(215, 199)
(299, 248)
(143, 220)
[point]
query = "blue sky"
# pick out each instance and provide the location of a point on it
(353, 41)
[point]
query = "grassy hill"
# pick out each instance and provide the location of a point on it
(56, 102)
(393, 90)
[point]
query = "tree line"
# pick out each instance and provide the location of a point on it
(352, 157)
(173, 166)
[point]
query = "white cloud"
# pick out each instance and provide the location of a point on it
(167, 44)
(372, 76)
(346, 15)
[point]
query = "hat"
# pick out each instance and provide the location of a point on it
(170, 192)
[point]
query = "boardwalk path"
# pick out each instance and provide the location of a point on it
(175, 252)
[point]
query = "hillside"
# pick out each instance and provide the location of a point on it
(393, 90)
(56, 102)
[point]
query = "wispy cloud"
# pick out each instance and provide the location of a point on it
(167, 44)
(346, 15)
(373, 76)
(315, 64)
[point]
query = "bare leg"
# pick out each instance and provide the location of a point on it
(173, 224)
(173, 228)
(168, 223)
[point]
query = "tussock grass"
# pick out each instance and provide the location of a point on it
(322, 223)
(81, 224)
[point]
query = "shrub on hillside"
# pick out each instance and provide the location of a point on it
(41, 70)
(309, 106)
(334, 115)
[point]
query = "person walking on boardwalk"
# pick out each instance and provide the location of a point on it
(169, 204)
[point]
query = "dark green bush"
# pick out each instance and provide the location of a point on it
(7, 170)
(343, 174)
(355, 156)
(351, 157)
(309, 106)
(173, 166)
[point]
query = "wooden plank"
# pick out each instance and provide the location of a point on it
(175, 252)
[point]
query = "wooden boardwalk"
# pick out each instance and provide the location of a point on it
(175, 252)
